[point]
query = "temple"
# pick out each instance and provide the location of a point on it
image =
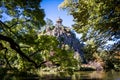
(67, 38)
(59, 22)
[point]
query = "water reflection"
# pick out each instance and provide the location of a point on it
(97, 75)
(91, 75)
(85, 75)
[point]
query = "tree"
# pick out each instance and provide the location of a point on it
(97, 20)
(99, 15)
(49, 22)
(94, 17)
(19, 31)
(21, 44)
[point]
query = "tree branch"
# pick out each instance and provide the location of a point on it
(16, 47)
(32, 54)
(41, 64)
(4, 24)
(5, 56)
(18, 23)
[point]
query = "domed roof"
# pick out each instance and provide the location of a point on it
(59, 20)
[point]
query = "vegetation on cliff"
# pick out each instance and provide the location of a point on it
(24, 47)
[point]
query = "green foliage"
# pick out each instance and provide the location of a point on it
(111, 59)
(64, 57)
(47, 42)
(23, 9)
(22, 47)
(97, 20)
(40, 52)
(25, 19)
(94, 18)
(49, 22)
(90, 49)
(43, 45)
(98, 14)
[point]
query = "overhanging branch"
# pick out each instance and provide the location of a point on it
(16, 47)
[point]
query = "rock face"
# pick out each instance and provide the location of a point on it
(67, 37)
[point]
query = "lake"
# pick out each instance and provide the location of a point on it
(85, 75)
(82, 75)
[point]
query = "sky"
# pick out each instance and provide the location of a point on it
(53, 12)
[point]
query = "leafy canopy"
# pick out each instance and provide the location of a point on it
(20, 39)
(95, 19)
(19, 31)
(98, 14)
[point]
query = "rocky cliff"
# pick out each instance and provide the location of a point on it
(66, 37)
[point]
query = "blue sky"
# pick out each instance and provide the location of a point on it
(52, 12)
